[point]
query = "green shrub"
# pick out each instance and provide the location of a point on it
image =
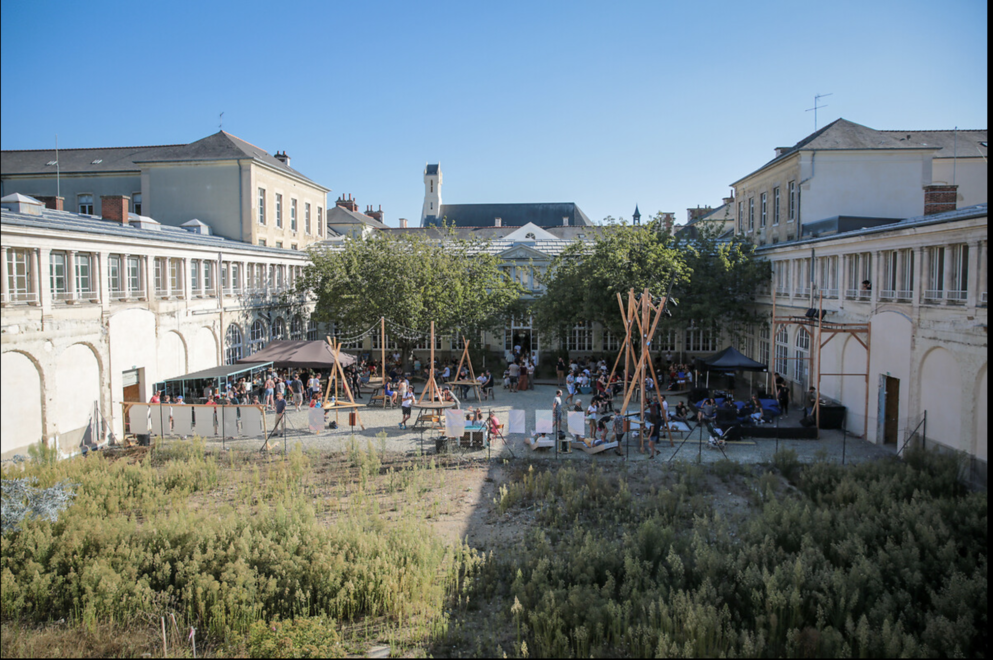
(306, 637)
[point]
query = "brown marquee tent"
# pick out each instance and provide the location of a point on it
(298, 354)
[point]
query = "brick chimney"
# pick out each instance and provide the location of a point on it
(282, 158)
(668, 220)
(693, 215)
(403, 223)
(115, 207)
(940, 198)
(728, 200)
(498, 222)
(347, 203)
(54, 203)
(378, 214)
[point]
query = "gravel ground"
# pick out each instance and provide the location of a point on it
(832, 445)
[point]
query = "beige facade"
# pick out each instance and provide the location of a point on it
(91, 308)
(293, 210)
(927, 306)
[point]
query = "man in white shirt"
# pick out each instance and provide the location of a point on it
(570, 385)
(515, 375)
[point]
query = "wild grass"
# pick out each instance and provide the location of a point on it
(884, 559)
(224, 542)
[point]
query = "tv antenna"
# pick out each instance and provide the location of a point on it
(221, 125)
(817, 98)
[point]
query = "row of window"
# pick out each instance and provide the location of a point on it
(278, 217)
(746, 221)
(944, 273)
(73, 276)
(235, 347)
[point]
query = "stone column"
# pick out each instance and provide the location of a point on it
(898, 282)
(983, 270)
(972, 286)
(103, 284)
(37, 279)
(45, 289)
(947, 274)
(4, 293)
(71, 274)
(185, 275)
(918, 282)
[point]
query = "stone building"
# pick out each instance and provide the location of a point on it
(95, 310)
(239, 189)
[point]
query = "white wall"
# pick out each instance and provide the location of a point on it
(21, 403)
(203, 350)
(131, 335)
(941, 396)
(892, 334)
(970, 175)
(77, 390)
(888, 185)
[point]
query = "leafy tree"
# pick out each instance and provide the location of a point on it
(714, 279)
(582, 283)
(411, 279)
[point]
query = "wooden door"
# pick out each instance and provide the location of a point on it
(891, 424)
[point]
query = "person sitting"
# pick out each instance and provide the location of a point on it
(494, 424)
(682, 412)
(708, 411)
(754, 410)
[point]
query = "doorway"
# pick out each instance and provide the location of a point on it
(132, 389)
(891, 411)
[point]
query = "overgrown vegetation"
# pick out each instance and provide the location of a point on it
(883, 559)
(322, 555)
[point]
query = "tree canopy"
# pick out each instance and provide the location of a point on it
(714, 280)
(412, 280)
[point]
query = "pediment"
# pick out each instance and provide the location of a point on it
(529, 232)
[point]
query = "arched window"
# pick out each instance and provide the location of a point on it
(311, 330)
(801, 370)
(279, 329)
(232, 344)
(530, 235)
(296, 328)
(782, 351)
(257, 337)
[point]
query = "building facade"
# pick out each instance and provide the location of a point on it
(239, 189)
(98, 309)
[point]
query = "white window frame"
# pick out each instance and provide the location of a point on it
(279, 210)
(763, 210)
(84, 203)
(775, 206)
(233, 344)
(261, 216)
(293, 214)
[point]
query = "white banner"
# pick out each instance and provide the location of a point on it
(204, 424)
(229, 417)
(577, 423)
(543, 421)
(516, 422)
(315, 419)
(454, 423)
(182, 420)
(138, 419)
(160, 418)
(251, 422)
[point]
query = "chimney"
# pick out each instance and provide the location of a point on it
(498, 222)
(728, 200)
(940, 198)
(668, 220)
(348, 203)
(781, 150)
(403, 223)
(115, 207)
(54, 203)
(283, 158)
(378, 215)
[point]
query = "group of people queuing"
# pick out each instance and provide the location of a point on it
(519, 374)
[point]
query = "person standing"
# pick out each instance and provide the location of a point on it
(811, 402)
(570, 385)
(270, 393)
(406, 404)
(314, 384)
(618, 433)
(531, 368)
(297, 388)
(560, 372)
(557, 413)
(655, 419)
(515, 375)
(783, 396)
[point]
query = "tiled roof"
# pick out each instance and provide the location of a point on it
(219, 146)
(512, 215)
(66, 223)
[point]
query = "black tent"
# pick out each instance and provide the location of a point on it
(730, 359)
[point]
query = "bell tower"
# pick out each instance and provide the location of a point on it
(432, 192)
(636, 218)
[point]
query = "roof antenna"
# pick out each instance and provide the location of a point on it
(58, 174)
(221, 125)
(817, 98)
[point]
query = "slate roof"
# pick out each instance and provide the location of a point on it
(512, 215)
(219, 146)
(431, 169)
(338, 215)
(964, 143)
(66, 222)
(843, 135)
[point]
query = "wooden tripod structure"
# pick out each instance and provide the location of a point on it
(639, 313)
(465, 359)
(337, 378)
(431, 388)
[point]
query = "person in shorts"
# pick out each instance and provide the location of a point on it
(515, 375)
(406, 403)
(297, 388)
(619, 433)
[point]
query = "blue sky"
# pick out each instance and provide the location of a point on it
(607, 105)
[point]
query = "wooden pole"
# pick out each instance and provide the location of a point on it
(772, 343)
(817, 401)
(868, 344)
(382, 344)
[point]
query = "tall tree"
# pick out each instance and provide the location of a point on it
(582, 283)
(412, 280)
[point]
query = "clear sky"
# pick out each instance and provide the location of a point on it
(607, 105)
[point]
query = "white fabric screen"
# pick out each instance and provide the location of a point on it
(516, 422)
(204, 425)
(251, 421)
(229, 417)
(454, 423)
(543, 421)
(138, 418)
(577, 423)
(315, 419)
(182, 420)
